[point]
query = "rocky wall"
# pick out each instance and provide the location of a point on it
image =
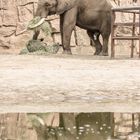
(15, 14)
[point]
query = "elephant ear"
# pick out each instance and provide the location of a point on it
(64, 5)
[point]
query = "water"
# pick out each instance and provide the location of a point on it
(94, 126)
(70, 126)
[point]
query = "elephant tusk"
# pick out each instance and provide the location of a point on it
(37, 24)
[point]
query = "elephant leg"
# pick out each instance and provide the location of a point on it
(61, 26)
(68, 26)
(36, 34)
(95, 38)
(105, 32)
(105, 44)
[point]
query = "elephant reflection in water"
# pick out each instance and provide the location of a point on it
(95, 126)
(89, 126)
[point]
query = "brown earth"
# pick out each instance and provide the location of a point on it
(68, 84)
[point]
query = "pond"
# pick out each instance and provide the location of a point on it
(70, 126)
(95, 126)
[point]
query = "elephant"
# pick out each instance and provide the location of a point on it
(94, 16)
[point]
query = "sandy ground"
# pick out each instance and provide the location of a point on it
(69, 84)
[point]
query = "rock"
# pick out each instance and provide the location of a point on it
(25, 12)
(21, 28)
(53, 49)
(24, 51)
(9, 17)
(35, 45)
(55, 25)
(82, 37)
(7, 31)
(5, 43)
(38, 47)
(25, 2)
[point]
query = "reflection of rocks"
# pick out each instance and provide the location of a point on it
(4, 44)
(44, 125)
(127, 126)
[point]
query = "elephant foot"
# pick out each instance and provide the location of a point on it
(67, 52)
(97, 53)
(103, 54)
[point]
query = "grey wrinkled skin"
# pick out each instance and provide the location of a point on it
(91, 15)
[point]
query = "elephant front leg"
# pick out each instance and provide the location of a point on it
(36, 33)
(69, 23)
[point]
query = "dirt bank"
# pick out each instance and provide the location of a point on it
(68, 84)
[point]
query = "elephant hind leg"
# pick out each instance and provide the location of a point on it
(105, 44)
(95, 38)
(105, 32)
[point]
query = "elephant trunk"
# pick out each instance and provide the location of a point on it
(36, 33)
(39, 13)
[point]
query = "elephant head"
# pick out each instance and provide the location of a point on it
(50, 7)
(64, 5)
(46, 7)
